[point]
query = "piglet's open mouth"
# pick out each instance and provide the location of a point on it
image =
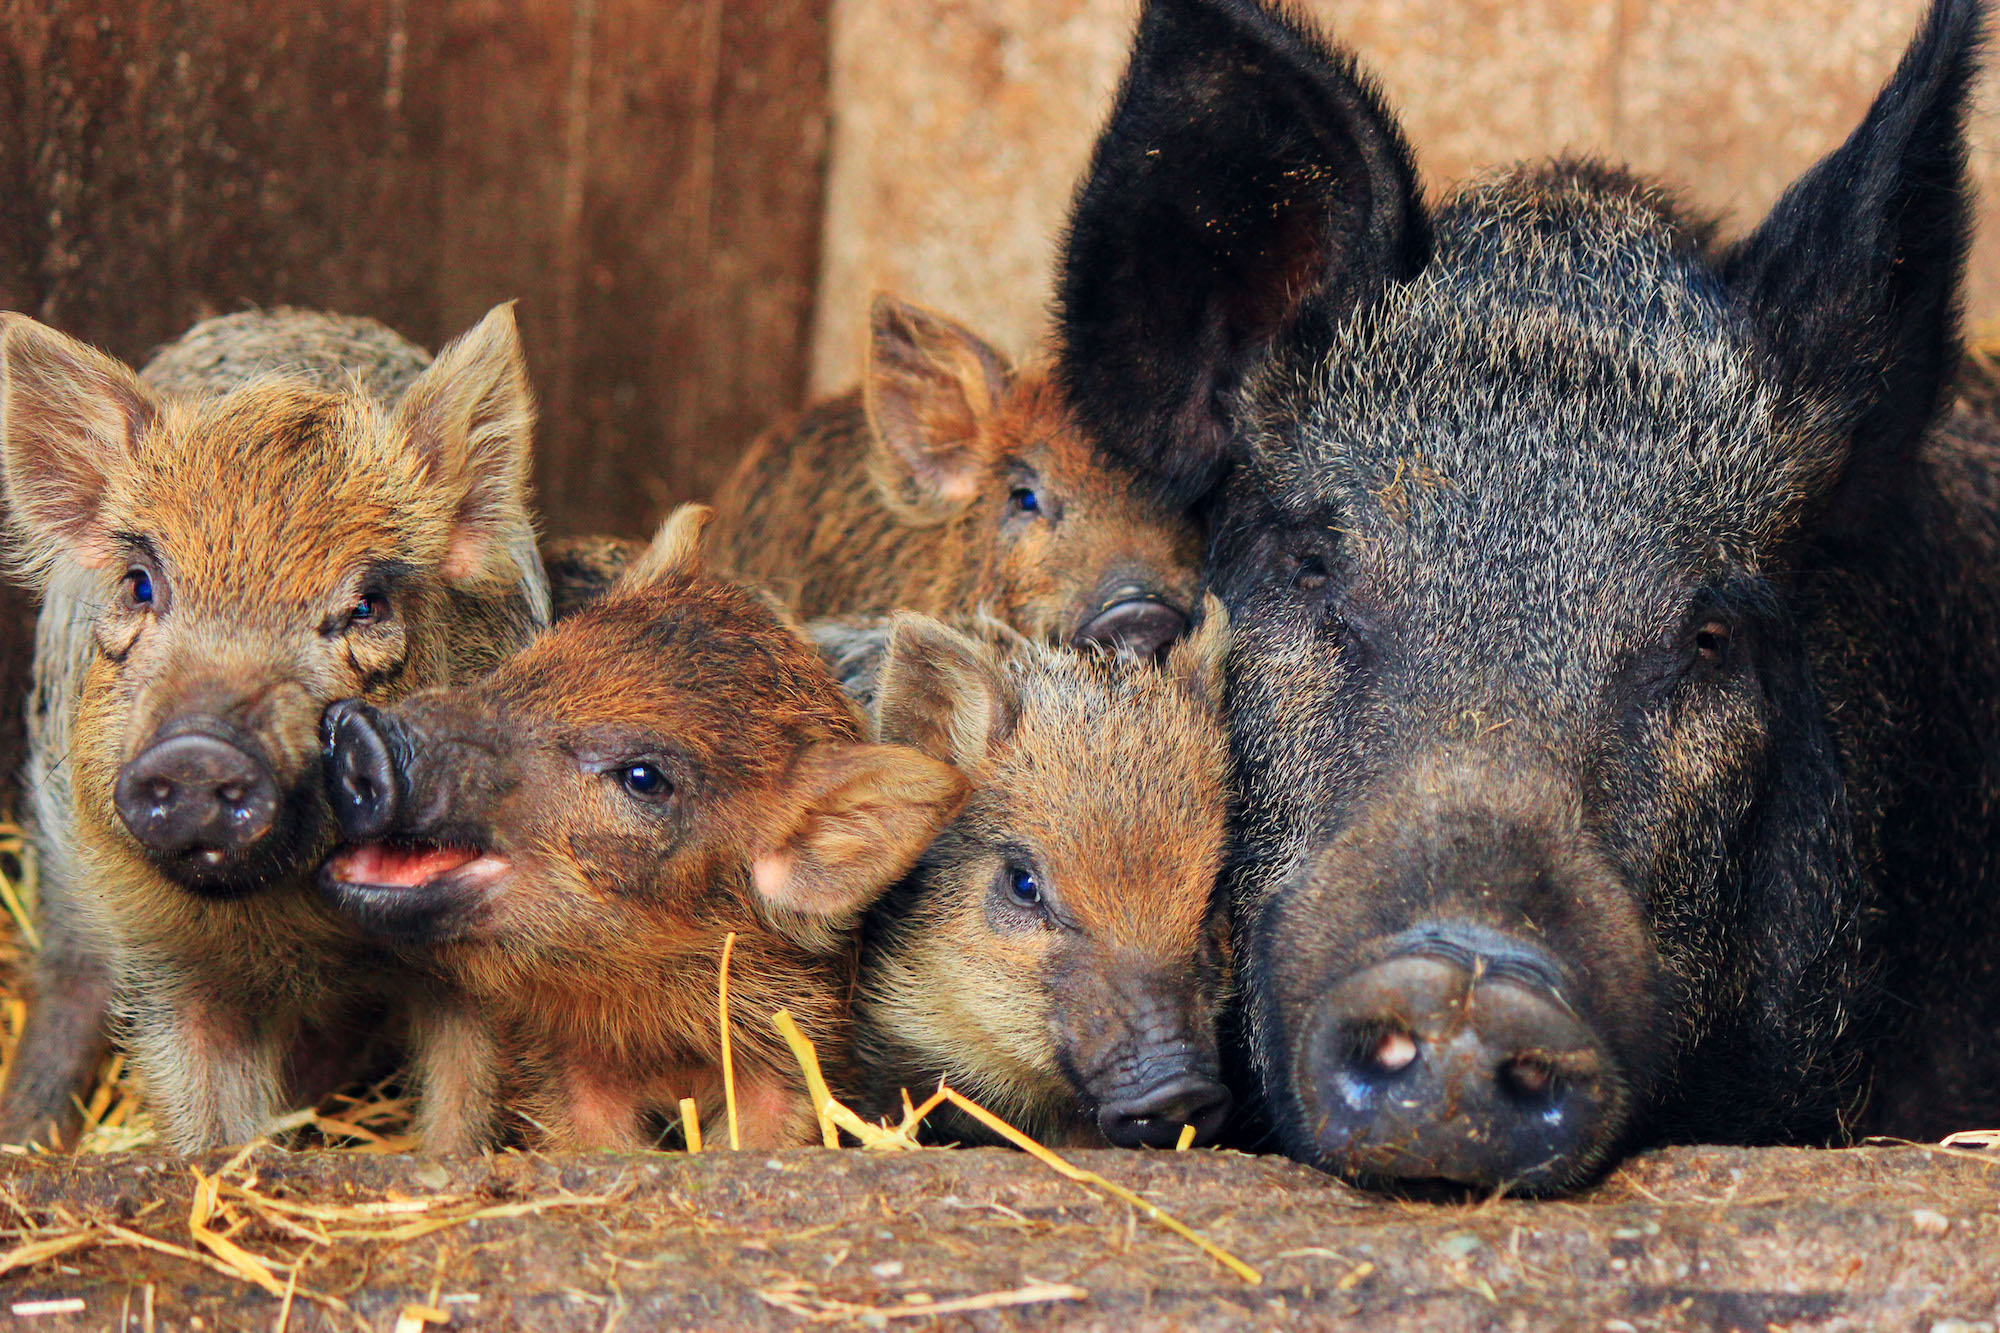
(392, 867)
(411, 891)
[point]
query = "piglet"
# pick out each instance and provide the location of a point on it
(566, 845)
(953, 482)
(1057, 952)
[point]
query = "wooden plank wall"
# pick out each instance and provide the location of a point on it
(644, 175)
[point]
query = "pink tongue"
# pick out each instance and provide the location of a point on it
(399, 867)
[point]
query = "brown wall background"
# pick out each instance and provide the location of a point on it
(645, 175)
(960, 125)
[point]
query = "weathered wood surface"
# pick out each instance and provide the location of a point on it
(645, 175)
(1689, 1238)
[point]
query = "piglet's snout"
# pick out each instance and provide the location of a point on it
(1156, 1118)
(1133, 618)
(197, 794)
(361, 772)
(1158, 1074)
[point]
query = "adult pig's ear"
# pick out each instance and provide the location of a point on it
(859, 816)
(1249, 177)
(471, 418)
(1199, 660)
(942, 693)
(70, 420)
(676, 550)
(930, 385)
(1854, 277)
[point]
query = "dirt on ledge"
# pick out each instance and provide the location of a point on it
(1685, 1238)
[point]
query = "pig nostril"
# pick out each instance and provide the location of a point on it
(1530, 1079)
(1378, 1055)
(1395, 1053)
(361, 771)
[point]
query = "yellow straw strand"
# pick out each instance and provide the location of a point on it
(808, 1058)
(913, 1116)
(728, 1059)
(1083, 1177)
(24, 920)
(871, 1136)
(1186, 1139)
(107, 1088)
(691, 1124)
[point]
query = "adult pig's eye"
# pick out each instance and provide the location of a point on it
(1310, 576)
(1024, 500)
(138, 587)
(645, 781)
(1022, 886)
(1711, 643)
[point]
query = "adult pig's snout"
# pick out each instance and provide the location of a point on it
(1440, 1066)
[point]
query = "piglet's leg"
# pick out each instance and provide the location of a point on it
(212, 1072)
(458, 1072)
(590, 1111)
(773, 1112)
(65, 1037)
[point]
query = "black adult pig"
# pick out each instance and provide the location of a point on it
(1617, 635)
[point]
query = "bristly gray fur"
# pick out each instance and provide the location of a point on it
(1583, 570)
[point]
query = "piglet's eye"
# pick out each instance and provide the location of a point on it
(645, 781)
(1024, 500)
(1023, 887)
(368, 608)
(1711, 643)
(139, 586)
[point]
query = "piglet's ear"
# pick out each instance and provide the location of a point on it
(931, 384)
(942, 693)
(1198, 660)
(471, 417)
(676, 550)
(70, 417)
(860, 816)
